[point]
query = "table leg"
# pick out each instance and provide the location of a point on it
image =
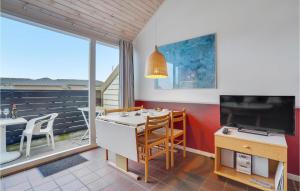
(87, 124)
(122, 165)
(6, 156)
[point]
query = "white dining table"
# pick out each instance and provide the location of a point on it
(4, 155)
(117, 132)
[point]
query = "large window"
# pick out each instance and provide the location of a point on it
(42, 72)
(107, 75)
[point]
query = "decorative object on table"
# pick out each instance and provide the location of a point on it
(158, 109)
(156, 65)
(243, 163)
(14, 111)
(191, 63)
(124, 114)
(6, 112)
(225, 131)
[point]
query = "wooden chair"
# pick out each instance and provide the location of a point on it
(150, 139)
(178, 135)
(135, 108)
(107, 111)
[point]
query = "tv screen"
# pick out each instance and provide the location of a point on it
(265, 113)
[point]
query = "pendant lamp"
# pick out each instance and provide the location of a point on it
(156, 66)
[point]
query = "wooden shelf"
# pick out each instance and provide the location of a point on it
(273, 148)
(245, 178)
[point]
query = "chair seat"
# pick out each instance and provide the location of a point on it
(153, 137)
(176, 132)
(30, 132)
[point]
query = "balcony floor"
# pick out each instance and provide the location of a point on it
(193, 173)
(44, 150)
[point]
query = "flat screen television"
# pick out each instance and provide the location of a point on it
(270, 114)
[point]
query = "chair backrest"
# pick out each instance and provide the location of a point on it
(135, 108)
(34, 125)
(107, 111)
(51, 120)
(156, 123)
(31, 123)
(178, 116)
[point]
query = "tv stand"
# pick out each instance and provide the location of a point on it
(273, 147)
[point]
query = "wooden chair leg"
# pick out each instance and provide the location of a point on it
(172, 152)
(167, 153)
(106, 154)
(146, 167)
(184, 145)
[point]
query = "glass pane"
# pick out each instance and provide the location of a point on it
(44, 80)
(107, 75)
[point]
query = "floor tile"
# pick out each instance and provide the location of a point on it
(82, 172)
(104, 171)
(213, 185)
(89, 178)
(83, 189)
(72, 186)
(14, 180)
(46, 187)
(231, 185)
(97, 185)
(61, 173)
(164, 187)
(65, 179)
(120, 184)
(293, 185)
(20, 187)
(36, 181)
(56, 189)
(135, 187)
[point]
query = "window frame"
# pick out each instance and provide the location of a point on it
(92, 105)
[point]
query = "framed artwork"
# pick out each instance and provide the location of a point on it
(191, 64)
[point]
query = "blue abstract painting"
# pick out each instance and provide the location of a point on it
(191, 64)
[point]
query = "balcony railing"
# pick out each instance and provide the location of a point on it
(34, 103)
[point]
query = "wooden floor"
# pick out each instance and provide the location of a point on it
(193, 173)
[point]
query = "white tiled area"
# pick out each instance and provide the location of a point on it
(86, 176)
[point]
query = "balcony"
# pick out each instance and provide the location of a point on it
(34, 99)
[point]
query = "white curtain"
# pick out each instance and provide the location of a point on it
(126, 75)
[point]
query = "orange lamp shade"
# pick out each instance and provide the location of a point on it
(157, 65)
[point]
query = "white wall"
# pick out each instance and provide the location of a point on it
(257, 46)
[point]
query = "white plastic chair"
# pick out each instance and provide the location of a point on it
(33, 127)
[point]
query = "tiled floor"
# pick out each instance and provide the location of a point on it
(193, 173)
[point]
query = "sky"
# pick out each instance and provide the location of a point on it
(29, 51)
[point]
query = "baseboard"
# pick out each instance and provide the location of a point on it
(211, 155)
(293, 177)
(196, 151)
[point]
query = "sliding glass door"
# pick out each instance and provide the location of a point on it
(44, 77)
